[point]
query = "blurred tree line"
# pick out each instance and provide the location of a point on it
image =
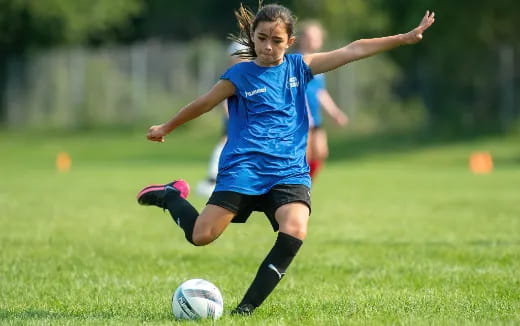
(465, 71)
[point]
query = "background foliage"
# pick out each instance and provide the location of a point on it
(466, 73)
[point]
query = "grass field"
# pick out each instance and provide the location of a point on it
(406, 236)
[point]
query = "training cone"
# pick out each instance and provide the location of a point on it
(480, 162)
(63, 162)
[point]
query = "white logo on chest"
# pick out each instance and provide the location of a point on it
(256, 91)
(293, 82)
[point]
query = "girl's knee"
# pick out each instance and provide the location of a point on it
(204, 234)
(297, 231)
(202, 239)
(300, 233)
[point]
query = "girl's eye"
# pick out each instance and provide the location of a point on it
(277, 41)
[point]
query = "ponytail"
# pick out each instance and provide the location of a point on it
(245, 19)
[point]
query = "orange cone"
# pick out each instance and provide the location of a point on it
(480, 162)
(63, 162)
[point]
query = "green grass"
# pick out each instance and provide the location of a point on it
(406, 236)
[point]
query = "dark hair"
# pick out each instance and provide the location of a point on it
(247, 22)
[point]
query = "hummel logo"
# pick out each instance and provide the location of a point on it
(256, 91)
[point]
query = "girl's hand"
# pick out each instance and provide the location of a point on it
(156, 133)
(415, 35)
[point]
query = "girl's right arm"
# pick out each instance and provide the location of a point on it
(222, 90)
(326, 61)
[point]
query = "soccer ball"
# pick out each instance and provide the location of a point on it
(197, 299)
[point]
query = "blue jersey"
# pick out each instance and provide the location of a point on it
(314, 86)
(267, 128)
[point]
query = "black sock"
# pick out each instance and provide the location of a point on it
(272, 269)
(182, 212)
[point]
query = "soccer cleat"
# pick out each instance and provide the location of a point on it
(156, 194)
(243, 309)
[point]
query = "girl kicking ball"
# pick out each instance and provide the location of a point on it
(263, 165)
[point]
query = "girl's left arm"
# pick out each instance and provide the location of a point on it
(326, 61)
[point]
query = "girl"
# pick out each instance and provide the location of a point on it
(318, 97)
(263, 165)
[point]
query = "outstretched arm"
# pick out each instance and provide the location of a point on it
(222, 90)
(326, 61)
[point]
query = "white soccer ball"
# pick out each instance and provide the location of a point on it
(197, 299)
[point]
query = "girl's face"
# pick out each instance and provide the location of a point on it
(271, 41)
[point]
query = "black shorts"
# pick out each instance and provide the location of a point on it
(243, 205)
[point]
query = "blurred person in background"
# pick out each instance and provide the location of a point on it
(318, 98)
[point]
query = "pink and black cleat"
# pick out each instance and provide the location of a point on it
(156, 194)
